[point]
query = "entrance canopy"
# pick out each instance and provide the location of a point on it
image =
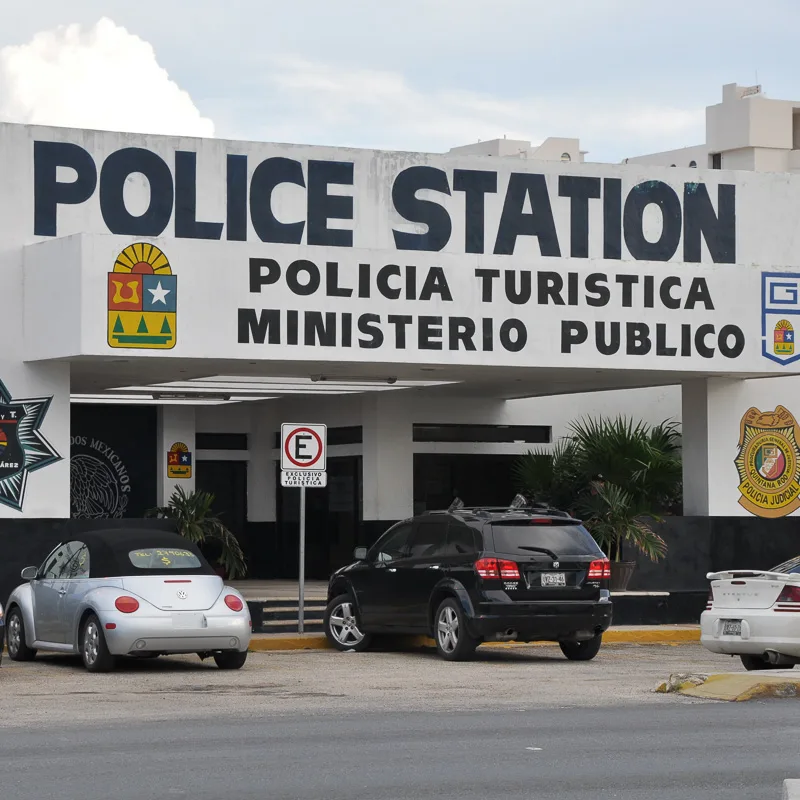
(172, 311)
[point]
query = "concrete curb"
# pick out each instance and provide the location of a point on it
(268, 642)
(735, 687)
(791, 790)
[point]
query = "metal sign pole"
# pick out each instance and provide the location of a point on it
(301, 609)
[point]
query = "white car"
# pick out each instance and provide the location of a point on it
(755, 615)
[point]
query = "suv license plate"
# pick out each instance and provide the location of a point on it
(732, 627)
(554, 579)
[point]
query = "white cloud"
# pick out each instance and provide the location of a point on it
(314, 100)
(102, 77)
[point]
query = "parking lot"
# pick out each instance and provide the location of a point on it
(330, 682)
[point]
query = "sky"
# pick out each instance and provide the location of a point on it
(626, 77)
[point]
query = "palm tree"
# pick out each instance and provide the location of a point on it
(611, 516)
(616, 474)
(196, 521)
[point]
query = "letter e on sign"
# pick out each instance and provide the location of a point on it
(303, 447)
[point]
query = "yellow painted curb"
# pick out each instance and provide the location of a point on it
(319, 642)
(659, 636)
(741, 688)
(733, 687)
(297, 642)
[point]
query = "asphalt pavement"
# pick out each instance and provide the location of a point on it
(517, 723)
(695, 752)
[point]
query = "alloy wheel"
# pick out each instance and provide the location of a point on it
(91, 643)
(14, 635)
(344, 626)
(447, 629)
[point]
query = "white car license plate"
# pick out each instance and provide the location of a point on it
(554, 579)
(732, 627)
(187, 619)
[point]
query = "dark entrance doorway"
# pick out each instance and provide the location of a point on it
(227, 481)
(333, 517)
(479, 480)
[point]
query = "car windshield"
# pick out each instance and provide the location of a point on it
(790, 567)
(523, 538)
(166, 558)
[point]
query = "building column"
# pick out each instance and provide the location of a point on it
(710, 411)
(176, 427)
(261, 467)
(388, 458)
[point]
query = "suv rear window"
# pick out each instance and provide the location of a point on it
(166, 558)
(563, 540)
(790, 567)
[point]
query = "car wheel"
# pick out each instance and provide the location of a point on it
(453, 641)
(582, 651)
(342, 627)
(94, 650)
(751, 663)
(18, 649)
(230, 660)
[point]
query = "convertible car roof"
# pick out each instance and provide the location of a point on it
(109, 549)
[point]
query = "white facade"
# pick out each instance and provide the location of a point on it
(551, 149)
(458, 284)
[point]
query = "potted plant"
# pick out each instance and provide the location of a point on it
(610, 515)
(617, 476)
(196, 521)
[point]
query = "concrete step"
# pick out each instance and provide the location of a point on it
(292, 602)
(290, 626)
(276, 614)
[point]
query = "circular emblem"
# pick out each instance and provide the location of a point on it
(182, 594)
(100, 484)
(768, 463)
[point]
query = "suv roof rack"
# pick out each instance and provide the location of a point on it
(518, 504)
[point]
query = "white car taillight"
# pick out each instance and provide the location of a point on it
(789, 600)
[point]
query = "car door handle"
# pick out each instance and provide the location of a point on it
(62, 592)
(392, 569)
(434, 566)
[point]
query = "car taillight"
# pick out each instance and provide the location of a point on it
(599, 570)
(497, 568)
(508, 570)
(127, 605)
(710, 601)
(789, 599)
(233, 602)
(487, 568)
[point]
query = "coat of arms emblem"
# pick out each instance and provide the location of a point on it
(767, 463)
(142, 299)
(780, 304)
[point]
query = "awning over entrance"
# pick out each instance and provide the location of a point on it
(163, 315)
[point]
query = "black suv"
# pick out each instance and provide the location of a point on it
(472, 575)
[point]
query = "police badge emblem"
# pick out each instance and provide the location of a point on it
(23, 449)
(767, 463)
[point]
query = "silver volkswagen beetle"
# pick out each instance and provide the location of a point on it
(137, 593)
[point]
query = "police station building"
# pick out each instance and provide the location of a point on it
(168, 303)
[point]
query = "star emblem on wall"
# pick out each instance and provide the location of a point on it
(23, 448)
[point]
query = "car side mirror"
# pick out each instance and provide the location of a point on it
(29, 573)
(360, 553)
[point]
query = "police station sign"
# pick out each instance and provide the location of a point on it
(309, 254)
